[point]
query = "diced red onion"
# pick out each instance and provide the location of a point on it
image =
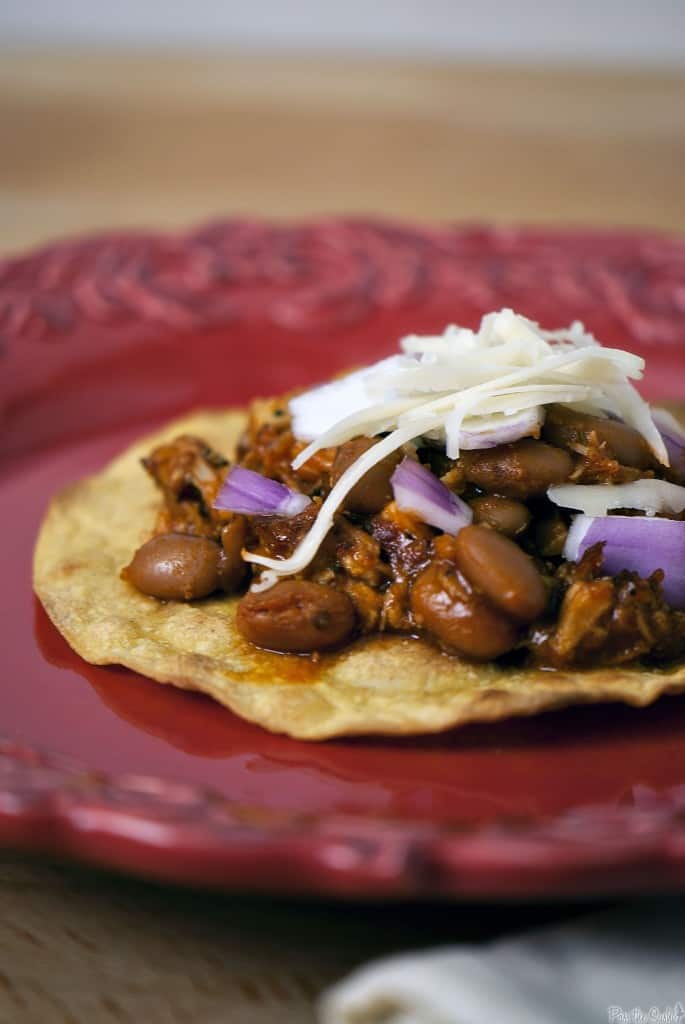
(248, 492)
(673, 434)
(641, 544)
(417, 490)
(514, 427)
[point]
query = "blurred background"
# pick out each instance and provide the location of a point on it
(141, 113)
(156, 114)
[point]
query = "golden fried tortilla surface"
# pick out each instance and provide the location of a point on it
(386, 684)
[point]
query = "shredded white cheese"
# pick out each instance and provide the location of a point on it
(321, 408)
(448, 387)
(650, 496)
(265, 581)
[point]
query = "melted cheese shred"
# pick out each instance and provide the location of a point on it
(441, 385)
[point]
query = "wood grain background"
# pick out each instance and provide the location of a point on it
(101, 140)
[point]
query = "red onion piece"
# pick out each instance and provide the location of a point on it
(641, 544)
(248, 492)
(417, 490)
(673, 434)
(489, 435)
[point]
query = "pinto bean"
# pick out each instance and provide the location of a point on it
(175, 567)
(550, 535)
(444, 603)
(231, 564)
(296, 616)
(503, 572)
(373, 491)
(523, 469)
(503, 514)
(573, 430)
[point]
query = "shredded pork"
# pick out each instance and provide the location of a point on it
(590, 620)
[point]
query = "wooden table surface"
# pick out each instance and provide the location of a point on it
(92, 141)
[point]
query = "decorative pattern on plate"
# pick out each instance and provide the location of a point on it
(338, 271)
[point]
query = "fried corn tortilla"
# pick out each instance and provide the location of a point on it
(385, 684)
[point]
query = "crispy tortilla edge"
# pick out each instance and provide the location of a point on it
(387, 685)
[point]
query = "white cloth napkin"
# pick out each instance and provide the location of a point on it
(623, 966)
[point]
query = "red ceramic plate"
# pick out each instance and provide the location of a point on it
(104, 338)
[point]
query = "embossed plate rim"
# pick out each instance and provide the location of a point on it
(175, 831)
(171, 830)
